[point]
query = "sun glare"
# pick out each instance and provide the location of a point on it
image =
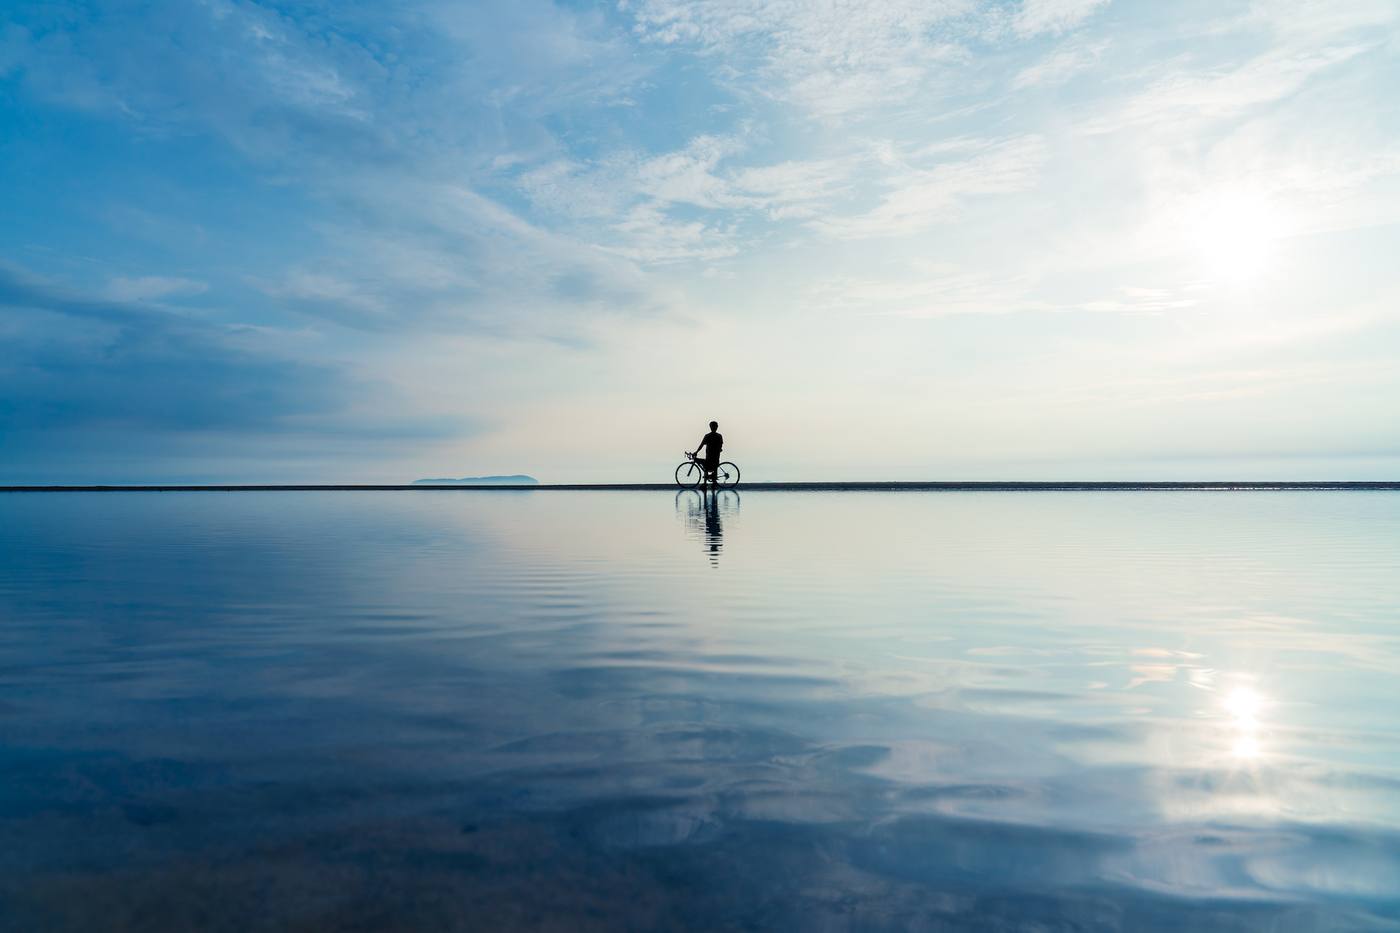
(1242, 707)
(1243, 704)
(1234, 234)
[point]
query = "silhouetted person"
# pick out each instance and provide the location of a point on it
(713, 444)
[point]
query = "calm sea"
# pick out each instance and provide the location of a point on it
(648, 710)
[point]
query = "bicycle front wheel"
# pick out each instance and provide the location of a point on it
(689, 474)
(727, 475)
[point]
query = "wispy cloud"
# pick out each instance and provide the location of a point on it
(689, 203)
(1218, 93)
(147, 287)
(925, 291)
(136, 364)
(799, 190)
(936, 290)
(1053, 16)
(1060, 65)
(125, 389)
(923, 196)
(830, 59)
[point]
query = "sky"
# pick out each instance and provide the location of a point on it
(874, 239)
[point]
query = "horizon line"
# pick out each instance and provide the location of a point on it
(838, 486)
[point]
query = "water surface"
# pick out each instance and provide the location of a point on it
(779, 710)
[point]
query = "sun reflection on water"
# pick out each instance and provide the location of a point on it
(1243, 706)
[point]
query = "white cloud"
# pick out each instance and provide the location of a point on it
(831, 58)
(923, 197)
(688, 175)
(345, 298)
(1314, 21)
(693, 204)
(925, 291)
(652, 237)
(1141, 300)
(929, 290)
(799, 189)
(444, 258)
(1059, 66)
(648, 209)
(151, 287)
(1195, 96)
(574, 189)
(1054, 16)
(686, 204)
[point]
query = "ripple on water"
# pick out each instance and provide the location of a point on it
(802, 711)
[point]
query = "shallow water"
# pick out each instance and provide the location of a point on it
(779, 710)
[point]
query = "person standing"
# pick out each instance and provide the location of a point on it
(713, 444)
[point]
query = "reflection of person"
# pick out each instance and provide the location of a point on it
(714, 534)
(713, 444)
(705, 512)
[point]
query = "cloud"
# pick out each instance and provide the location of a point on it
(308, 92)
(653, 237)
(1137, 299)
(1312, 21)
(148, 287)
(923, 197)
(700, 202)
(692, 203)
(925, 291)
(687, 176)
(426, 256)
(649, 209)
(831, 59)
(1053, 16)
(1194, 96)
(1059, 66)
(322, 293)
(933, 290)
(393, 160)
(241, 72)
(799, 189)
(89, 372)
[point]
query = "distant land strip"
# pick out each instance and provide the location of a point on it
(1091, 486)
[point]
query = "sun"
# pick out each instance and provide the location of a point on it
(1234, 235)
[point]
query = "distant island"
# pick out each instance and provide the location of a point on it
(518, 479)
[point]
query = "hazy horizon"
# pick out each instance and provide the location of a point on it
(901, 240)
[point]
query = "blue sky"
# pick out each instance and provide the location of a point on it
(934, 239)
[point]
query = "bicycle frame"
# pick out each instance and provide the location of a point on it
(726, 474)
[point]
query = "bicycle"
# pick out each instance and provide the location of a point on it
(691, 474)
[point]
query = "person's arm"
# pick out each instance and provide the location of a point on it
(701, 444)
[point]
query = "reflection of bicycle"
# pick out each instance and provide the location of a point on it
(705, 512)
(692, 473)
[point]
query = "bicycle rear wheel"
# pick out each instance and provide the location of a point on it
(689, 474)
(727, 475)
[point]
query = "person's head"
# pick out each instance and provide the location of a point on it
(714, 425)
